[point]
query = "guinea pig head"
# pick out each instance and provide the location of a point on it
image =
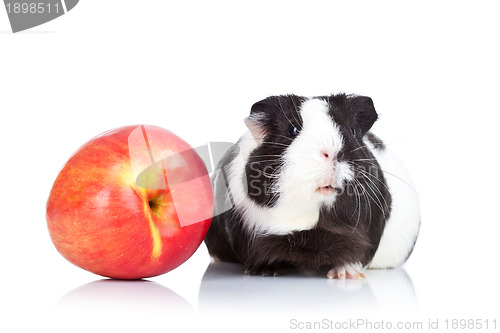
(307, 149)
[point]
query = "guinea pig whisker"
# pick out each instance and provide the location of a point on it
(391, 174)
(350, 185)
(366, 200)
(274, 135)
(365, 146)
(358, 208)
(353, 138)
(275, 144)
(409, 185)
(293, 114)
(269, 175)
(284, 113)
(282, 136)
(296, 110)
(369, 177)
(335, 213)
(372, 148)
(386, 205)
(371, 161)
(375, 197)
(270, 155)
(358, 148)
(262, 161)
(359, 168)
(364, 159)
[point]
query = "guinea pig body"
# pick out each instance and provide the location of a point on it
(309, 186)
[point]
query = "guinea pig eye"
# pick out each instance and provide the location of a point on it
(293, 131)
(353, 131)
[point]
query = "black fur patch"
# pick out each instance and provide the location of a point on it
(276, 115)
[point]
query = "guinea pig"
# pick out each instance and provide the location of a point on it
(309, 186)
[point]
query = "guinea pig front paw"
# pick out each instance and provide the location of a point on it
(345, 272)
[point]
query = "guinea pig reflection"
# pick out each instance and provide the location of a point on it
(225, 289)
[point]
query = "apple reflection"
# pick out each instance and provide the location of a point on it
(110, 296)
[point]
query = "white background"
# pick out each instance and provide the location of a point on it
(196, 67)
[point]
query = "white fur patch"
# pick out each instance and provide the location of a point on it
(305, 170)
(305, 167)
(403, 225)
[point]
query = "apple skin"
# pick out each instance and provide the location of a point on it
(101, 220)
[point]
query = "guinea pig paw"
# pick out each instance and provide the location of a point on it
(270, 273)
(345, 272)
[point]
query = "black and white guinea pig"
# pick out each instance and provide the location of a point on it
(309, 186)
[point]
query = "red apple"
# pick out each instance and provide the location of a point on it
(131, 203)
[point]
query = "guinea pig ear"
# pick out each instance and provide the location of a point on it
(365, 113)
(253, 122)
(257, 119)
